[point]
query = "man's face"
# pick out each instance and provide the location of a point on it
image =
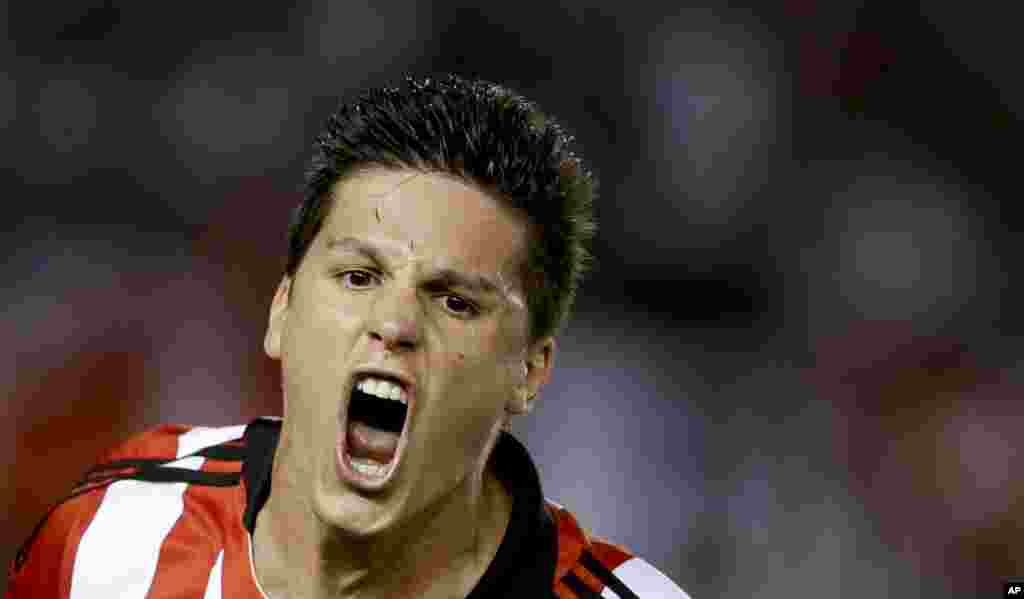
(463, 348)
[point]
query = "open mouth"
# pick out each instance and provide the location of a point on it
(378, 408)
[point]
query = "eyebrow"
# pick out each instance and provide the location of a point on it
(357, 246)
(475, 283)
(444, 277)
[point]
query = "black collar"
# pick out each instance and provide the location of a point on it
(525, 563)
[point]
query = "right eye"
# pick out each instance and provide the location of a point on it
(357, 279)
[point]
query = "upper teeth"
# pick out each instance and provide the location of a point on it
(383, 388)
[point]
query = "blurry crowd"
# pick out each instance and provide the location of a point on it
(794, 369)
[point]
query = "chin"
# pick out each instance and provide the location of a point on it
(350, 513)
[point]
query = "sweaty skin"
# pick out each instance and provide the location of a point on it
(434, 530)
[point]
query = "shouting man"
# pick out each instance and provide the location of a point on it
(432, 262)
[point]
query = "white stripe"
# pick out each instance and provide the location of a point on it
(202, 437)
(215, 584)
(556, 504)
(645, 580)
(118, 554)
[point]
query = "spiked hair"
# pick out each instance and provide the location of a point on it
(488, 136)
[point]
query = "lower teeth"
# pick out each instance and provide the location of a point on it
(368, 467)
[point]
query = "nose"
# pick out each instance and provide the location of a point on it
(394, 325)
(395, 336)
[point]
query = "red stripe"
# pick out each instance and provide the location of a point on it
(571, 540)
(609, 554)
(54, 549)
(157, 443)
(237, 570)
(562, 591)
(86, 506)
(588, 578)
(190, 549)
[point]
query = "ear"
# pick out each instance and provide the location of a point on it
(539, 362)
(278, 315)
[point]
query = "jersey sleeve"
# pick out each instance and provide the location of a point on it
(591, 566)
(43, 565)
(623, 573)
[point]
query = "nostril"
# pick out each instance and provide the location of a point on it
(396, 332)
(401, 344)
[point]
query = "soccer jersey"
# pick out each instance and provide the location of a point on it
(171, 514)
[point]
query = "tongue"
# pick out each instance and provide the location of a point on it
(364, 441)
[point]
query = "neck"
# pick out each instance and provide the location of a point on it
(441, 552)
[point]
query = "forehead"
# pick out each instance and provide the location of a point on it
(428, 217)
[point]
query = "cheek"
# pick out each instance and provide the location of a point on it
(488, 377)
(316, 345)
(467, 349)
(326, 320)
(483, 350)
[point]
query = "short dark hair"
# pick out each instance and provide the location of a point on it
(484, 134)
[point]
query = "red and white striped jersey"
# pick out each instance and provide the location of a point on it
(170, 514)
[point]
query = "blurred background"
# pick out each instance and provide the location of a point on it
(794, 371)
